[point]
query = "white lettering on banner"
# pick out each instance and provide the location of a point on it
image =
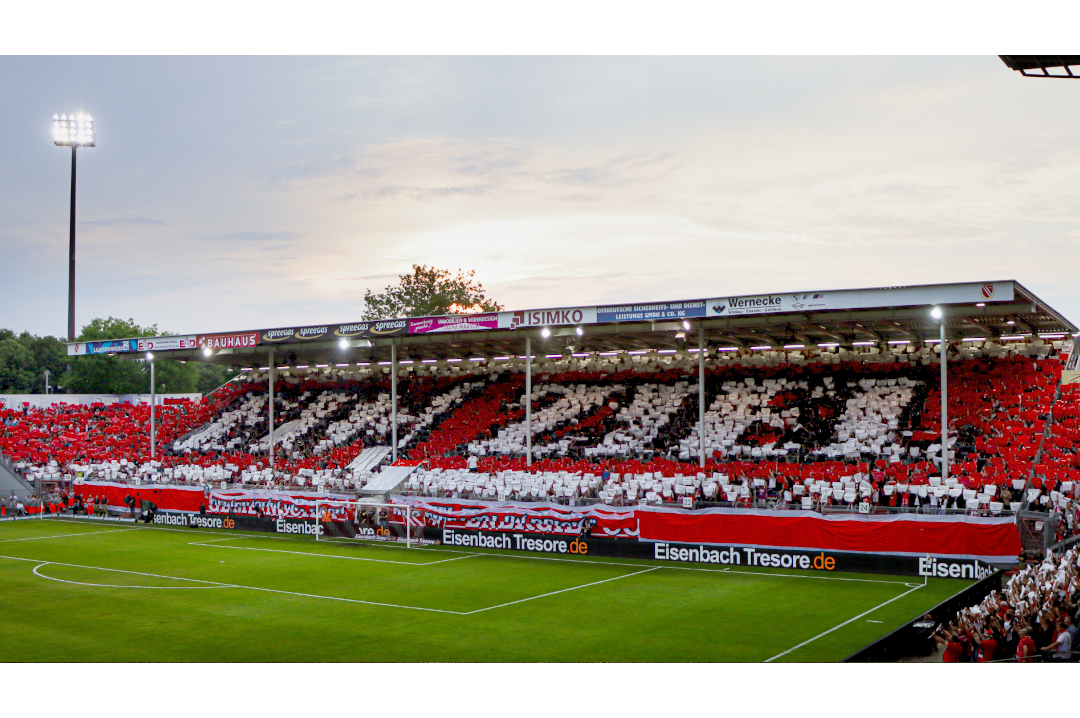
(229, 341)
(737, 556)
(454, 538)
(929, 566)
(298, 527)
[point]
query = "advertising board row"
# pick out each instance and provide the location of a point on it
(658, 311)
(672, 554)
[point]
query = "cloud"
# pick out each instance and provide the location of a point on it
(257, 236)
(122, 221)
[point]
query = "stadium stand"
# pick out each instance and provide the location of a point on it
(809, 428)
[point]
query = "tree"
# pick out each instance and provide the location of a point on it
(16, 368)
(49, 353)
(429, 292)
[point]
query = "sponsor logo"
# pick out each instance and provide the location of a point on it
(351, 330)
(393, 326)
(547, 317)
(277, 335)
(988, 291)
(284, 526)
(798, 301)
(951, 569)
(195, 520)
(516, 542)
(312, 332)
(228, 341)
(744, 556)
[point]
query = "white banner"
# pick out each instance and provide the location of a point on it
(161, 344)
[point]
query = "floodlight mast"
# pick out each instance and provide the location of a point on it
(73, 131)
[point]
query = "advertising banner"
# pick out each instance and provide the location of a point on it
(538, 518)
(110, 346)
(456, 323)
(161, 344)
(379, 328)
(271, 336)
(767, 304)
(276, 504)
(706, 556)
(547, 317)
(994, 539)
(228, 341)
(175, 498)
(651, 312)
(325, 332)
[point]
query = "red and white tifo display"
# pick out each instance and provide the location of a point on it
(791, 437)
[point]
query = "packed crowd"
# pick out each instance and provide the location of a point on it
(1033, 619)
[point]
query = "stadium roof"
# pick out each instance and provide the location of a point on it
(988, 310)
(1041, 65)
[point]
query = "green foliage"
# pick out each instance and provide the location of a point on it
(16, 367)
(428, 292)
(211, 376)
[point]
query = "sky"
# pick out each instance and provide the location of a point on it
(231, 193)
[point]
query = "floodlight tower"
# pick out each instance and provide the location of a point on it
(72, 131)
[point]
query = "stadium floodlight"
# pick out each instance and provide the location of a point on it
(207, 351)
(73, 131)
(343, 343)
(149, 356)
(579, 331)
(686, 325)
(936, 312)
(545, 332)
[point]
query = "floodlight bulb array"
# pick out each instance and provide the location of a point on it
(73, 130)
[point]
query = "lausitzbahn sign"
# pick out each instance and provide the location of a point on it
(718, 307)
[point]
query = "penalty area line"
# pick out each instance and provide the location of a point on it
(839, 626)
(572, 588)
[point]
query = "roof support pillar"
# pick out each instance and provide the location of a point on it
(273, 371)
(528, 401)
(393, 401)
(944, 405)
(701, 395)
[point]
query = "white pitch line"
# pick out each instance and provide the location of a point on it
(834, 628)
(327, 555)
(113, 585)
(572, 588)
(233, 585)
(41, 538)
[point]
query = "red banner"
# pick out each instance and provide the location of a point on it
(539, 518)
(918, 534)
(170, 498)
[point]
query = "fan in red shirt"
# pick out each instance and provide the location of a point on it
(953, 647)
(987, 646)
(1025, 650)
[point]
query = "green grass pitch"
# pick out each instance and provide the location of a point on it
(87, 591)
